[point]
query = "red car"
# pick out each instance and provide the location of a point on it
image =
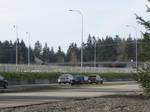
(95, 79)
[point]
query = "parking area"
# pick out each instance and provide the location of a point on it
(66, 92)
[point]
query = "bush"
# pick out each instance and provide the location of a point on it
(110, 75)
(29, 75)
(55, 75)
(143, 78)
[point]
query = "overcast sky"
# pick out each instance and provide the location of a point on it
(50, 21)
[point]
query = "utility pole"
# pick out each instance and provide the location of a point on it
(28, 36)
(79, 12)
(16, 29)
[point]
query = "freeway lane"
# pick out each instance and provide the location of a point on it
(37, 87)
(27, 98)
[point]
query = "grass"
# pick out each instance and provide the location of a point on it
(55, 75)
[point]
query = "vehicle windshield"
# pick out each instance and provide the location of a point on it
(1, 78)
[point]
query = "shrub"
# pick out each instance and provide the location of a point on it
(29, 75)
(55, 75)
(143, 78)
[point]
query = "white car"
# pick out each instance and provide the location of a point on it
(65, 78)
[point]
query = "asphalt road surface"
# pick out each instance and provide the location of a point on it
(43, 96)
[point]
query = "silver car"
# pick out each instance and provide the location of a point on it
(65, 78)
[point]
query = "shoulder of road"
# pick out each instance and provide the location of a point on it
(54, 86)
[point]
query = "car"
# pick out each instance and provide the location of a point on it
(95, 79)
(65, 78)
(3, 82)
(86, 79)
(79, 79)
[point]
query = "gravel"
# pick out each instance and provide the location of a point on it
(127, 103)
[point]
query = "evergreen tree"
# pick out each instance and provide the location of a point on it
(60, 55)
(146, 41)
(143, 75)
(145, 55)
(130, 49)
(99, 50)
(89, 49)
(72, 53)
(37, 49)
(52, 57)
(120, 48)
(22, 53)
(109, 49)
(5, 54)
(45, 53)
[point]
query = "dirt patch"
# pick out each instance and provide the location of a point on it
(122, 103)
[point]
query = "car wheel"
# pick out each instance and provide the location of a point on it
(72, 84)
(101, 82)
(5, 86)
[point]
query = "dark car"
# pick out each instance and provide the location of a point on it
(3, 82)
(78, 79)
(95, 79)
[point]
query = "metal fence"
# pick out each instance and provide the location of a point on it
(52, 68)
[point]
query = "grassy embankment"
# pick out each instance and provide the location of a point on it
(55, 75)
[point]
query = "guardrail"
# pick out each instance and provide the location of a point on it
(51, 68)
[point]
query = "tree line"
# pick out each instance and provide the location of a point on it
(106, 49)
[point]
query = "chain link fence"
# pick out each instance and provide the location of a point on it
(52, 68)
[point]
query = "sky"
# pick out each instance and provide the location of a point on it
(49, 21)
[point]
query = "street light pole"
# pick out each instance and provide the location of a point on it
(16, 28)
(28, 36)
(78, 11)
(136, 51)
(95, 54)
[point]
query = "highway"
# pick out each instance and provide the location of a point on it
(65, 93)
